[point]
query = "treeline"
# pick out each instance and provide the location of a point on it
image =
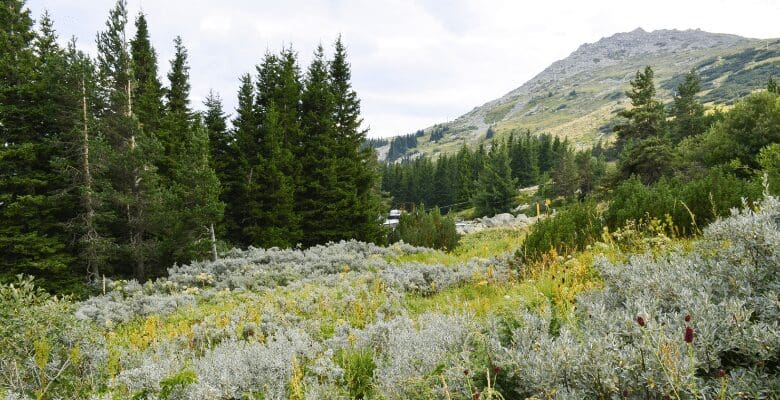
(489, 179)
(106, 170)
(400, 145)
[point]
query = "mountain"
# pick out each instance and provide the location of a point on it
(578, 97)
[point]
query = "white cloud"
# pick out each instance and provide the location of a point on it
(415, 63)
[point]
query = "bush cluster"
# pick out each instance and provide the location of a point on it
(691, 204)
(427, 229)
(571, 228)
(330, 322)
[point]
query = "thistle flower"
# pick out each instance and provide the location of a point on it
(688, 334)
(496, 370)
(721, 373)
(640, 320)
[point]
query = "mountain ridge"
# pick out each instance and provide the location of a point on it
(577, 97)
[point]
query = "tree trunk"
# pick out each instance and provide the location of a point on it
(90, 236)
(214, 254)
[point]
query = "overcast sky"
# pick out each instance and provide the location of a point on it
(414, 63)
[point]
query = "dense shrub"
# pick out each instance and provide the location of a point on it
(331, 322)
(690, 205)
(44, 348)
(426, 228)
(571, 228)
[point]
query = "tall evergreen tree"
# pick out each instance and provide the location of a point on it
(272, 220)
(564, 176)
(645, 118)
(32, 207)
(245, 148)
(496, 189)
(688, 112)
(318, 200)
(358, 169)
(148, 91)
(134, 193)
(193, 206)
(178, 95)
(645, 150)
(222, 151)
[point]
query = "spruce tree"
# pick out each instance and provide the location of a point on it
(564, 176)
(148, 91)
(359, 179)
(222, 151)
(33, 208)
(644, 148)
(272, 221)
(496, 187)
(178, 116)
(246, 147)
(646, 117)
(318, 200)
(192, 207)
(134, 193)
(688, 112)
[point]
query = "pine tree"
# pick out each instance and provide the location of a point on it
(245, 149)
(148, 91)
(32, 206)
(222, 151)
(318, 201)
(272, 221)
(177, 119)
(496, 188)
(645, 118)
(564, 176)
(193, 206)
(133, 193)
(645, 150)
(359, 179)
(688, 112)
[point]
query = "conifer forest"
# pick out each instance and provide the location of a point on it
(243, 246)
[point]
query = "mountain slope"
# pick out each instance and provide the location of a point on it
(578, 97)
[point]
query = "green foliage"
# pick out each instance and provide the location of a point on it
(37, 105)
(428, 229)
(358, 365)
(645, 118)
(147, 90)
(571, 228)
(686, 205)
(648, 159)
(173, 384)
(688, 112)
(43, 348)
(496, 187)
(736, 139)
(769, 159)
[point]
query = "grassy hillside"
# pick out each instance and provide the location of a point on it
(578, 97)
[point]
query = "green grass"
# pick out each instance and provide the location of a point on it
(484, 244)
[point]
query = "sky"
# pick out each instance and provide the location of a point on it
(414, 63)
